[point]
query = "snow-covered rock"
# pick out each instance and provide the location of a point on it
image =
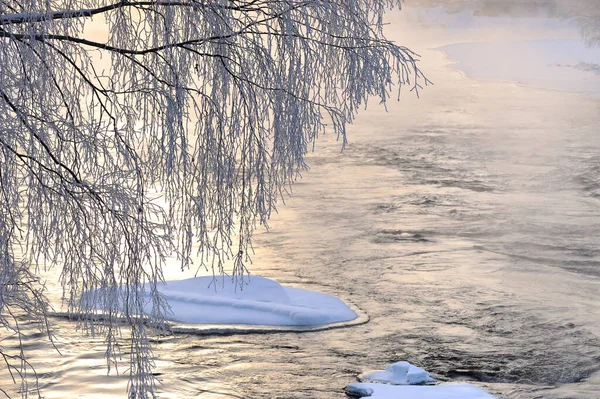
(399, 381)
(400, 373)
(445, 391)
(260, 301)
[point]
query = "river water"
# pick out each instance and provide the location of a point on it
(464, 223)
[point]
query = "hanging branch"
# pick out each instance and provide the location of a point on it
(176, 135)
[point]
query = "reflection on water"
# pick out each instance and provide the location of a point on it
(464, 223)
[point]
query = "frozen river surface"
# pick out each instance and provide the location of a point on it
(465, 224)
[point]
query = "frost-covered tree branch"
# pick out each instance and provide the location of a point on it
(589, 23)
(175, 134)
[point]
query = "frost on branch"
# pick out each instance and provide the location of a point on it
(176, 133)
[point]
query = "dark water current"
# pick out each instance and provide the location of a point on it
(465, 224)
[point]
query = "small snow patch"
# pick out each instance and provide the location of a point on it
(400, 373)
(398, 381)
(446, 391)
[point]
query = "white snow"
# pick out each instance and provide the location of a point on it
(400, 373)
(261, 301)
(398, 381)
(550, 64)
(446, 391)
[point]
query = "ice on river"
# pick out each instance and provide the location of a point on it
(400, 373)
(259, 301)
(447, 391)
(399, 381)
(549, 64)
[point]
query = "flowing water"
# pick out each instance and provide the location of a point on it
(465, 224)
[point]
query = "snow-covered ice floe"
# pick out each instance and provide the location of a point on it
(446, 391)
(399, 381)
(400, 373)
(259, 301)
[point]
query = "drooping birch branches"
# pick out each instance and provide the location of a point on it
(172, 131)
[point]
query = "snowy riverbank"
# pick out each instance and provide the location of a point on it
(567, 65)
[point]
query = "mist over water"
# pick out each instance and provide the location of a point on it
(464, 223)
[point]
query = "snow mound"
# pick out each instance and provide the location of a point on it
(258, 288)
(447, 391)
(398, 381)
(400, 373)
(260, 301)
